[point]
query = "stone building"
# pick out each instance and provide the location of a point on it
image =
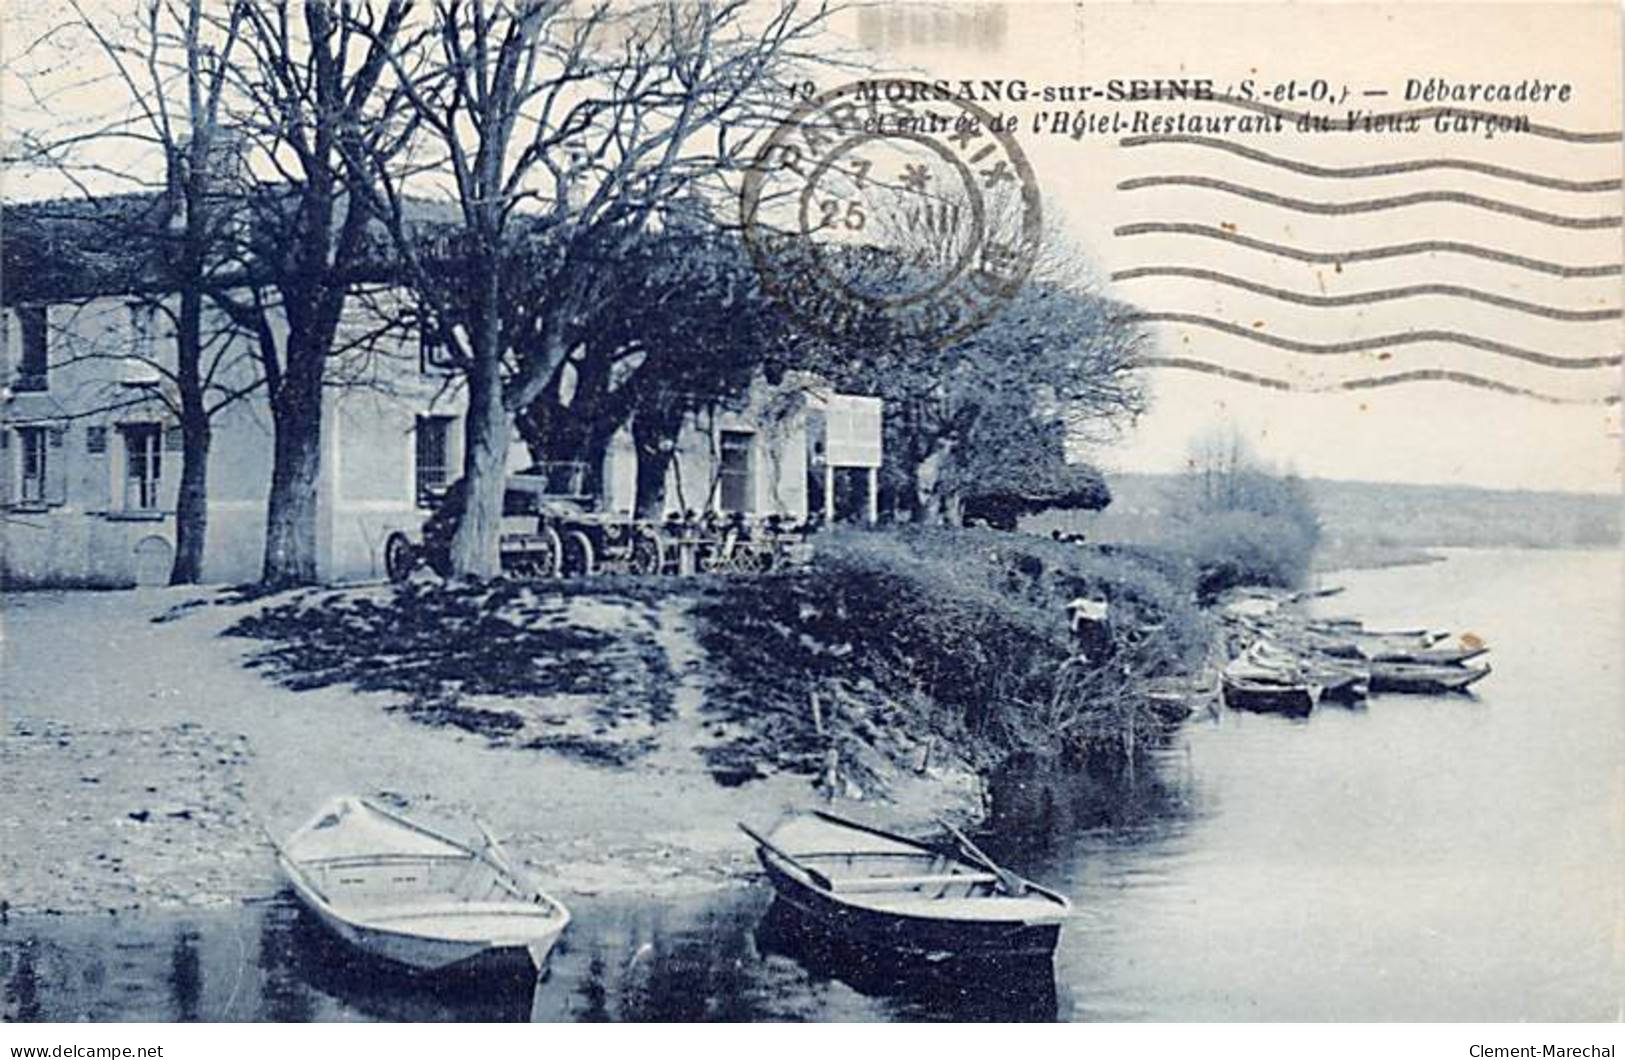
(90, 454)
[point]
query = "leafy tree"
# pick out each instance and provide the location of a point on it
(1056, 362)
(1245, 523)
(1014, 463)
(568, 136)
(687, 329)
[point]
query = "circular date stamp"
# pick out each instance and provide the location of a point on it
(883, 211)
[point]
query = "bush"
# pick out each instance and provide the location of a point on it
(1243, 524)
(1246, 548)
(961, 633)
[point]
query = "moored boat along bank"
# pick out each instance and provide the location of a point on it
(1282, 661)
(870, 888)
(405, 893)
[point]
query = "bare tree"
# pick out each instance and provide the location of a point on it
(566, 136)
(310, 77)
(168, 68)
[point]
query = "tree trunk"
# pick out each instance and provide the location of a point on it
(936, 505)
(539, 425)
(192, 501)
(594, 451)
(192, 504)
(296, 463)
(652, 439)
(579, 430)
(475, 549)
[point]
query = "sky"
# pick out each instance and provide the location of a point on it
(1416, 432)
(1205, 211)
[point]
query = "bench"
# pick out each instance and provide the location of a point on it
(876, 884)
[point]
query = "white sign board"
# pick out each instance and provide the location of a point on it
(852, 431)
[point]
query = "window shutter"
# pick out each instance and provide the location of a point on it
(56, 468)
(174, 439)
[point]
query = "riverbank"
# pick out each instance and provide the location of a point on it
(1364, 554)
(613, 731)
(147, 755)
(1422, 858)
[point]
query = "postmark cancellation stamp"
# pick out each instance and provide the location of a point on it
(884, 210)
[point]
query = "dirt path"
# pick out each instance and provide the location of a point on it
(682, 738)
(193, 754)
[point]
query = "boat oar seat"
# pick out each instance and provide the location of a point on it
(871, 884)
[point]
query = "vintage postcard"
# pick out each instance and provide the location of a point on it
(536, 510)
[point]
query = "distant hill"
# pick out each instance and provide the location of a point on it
(1379, 513)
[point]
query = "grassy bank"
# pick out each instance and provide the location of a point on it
(896, 653)
(941, 641)
(612, 730)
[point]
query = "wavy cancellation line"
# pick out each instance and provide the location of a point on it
(1332, 301)
(1377, 169)
(1418, 375)
(1391, 202)
(1551, 132)
(1391, 250)
(1378, 342)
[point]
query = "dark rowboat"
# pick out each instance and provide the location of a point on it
(1394, 648)
(903, 897)
(1268, 681)
(1343, 684)
(1269, 696)
(1423, 678)
(1437, 655)
(963, 989)
(1338, 679)
(1355, 627)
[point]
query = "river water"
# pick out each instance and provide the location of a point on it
(1431, 859)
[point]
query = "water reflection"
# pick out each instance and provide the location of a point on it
(22, 983)
(1039, 805)
(957, 990)
(734, 956)
(311, 961)
(185, 974)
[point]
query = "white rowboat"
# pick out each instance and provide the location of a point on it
(407, 894)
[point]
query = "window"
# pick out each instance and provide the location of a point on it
(143, 465)
(33, 485)
(432, 353)
(433, 458)
(32, 372)
(735, 471)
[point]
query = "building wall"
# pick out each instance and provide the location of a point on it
(777, 423)
(88, 536)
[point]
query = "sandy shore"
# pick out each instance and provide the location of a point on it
(143, 765)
